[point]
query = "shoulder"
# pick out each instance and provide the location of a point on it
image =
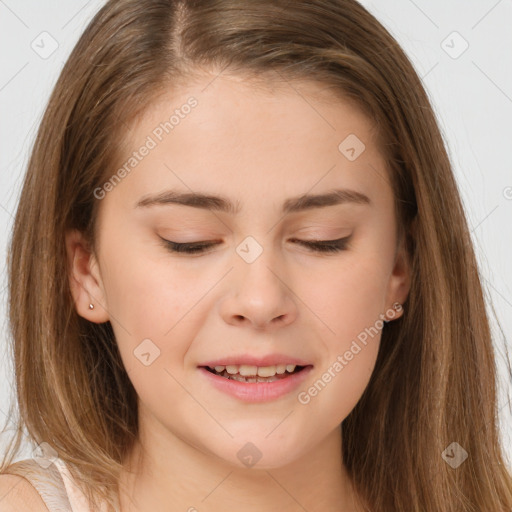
(17, 493)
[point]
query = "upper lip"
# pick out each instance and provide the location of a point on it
(246, 359)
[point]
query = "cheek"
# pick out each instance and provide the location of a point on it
(152, 328)
(151, 311)
(349, 357)
(341, 383)
(348, 297)
(145, 291)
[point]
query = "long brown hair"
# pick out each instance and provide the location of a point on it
(435, 379)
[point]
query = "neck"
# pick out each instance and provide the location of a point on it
(165, 473)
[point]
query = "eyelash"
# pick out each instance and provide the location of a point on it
(322, 246)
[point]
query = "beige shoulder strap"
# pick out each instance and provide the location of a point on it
(48, 483)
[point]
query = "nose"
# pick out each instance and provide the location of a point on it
(259, 296)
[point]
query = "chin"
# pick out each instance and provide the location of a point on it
(264, 454)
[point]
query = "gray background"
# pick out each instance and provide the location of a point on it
(470, 88)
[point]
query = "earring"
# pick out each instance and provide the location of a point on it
(91, 306)
(397, 307)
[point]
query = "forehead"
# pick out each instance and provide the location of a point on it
(252, 137)
(265, 105)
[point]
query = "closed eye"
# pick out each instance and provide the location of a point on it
(322, 246)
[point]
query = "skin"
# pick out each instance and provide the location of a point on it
(259, 147)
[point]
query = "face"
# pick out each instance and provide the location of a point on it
(254, 288)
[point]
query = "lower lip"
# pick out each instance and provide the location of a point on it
(257, 391)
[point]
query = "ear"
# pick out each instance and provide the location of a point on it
(400, 280)
(84, 279)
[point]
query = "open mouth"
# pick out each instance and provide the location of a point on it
(254, 374)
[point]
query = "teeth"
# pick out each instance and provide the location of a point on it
(270, 379)
(247, 371)
(256, 371)
(241, 378)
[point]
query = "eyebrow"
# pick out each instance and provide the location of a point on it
(223, 204)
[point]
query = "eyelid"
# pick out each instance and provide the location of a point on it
(201, 247)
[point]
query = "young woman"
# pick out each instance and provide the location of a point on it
(241, 275)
